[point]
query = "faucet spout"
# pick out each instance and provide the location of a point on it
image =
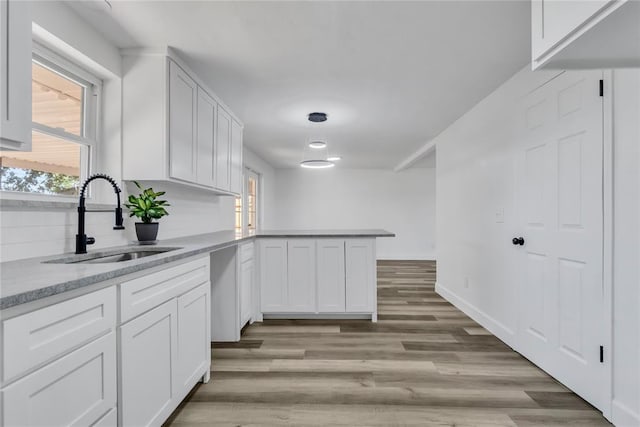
(81, 238)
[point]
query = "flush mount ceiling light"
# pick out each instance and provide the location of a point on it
(317, 117)
(334, 158)
(317, 144)
(317, 164)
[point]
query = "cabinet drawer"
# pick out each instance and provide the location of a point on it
(142, 294)
(76, 390)
(31, 339)
(246, 252)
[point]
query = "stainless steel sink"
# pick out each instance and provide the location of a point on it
(109, 256)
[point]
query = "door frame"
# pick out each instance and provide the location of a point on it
(607, 237)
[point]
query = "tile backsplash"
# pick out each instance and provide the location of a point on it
(31, 231)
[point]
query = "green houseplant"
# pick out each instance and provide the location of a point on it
(147, 207)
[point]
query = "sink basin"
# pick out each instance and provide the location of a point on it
(109, 256)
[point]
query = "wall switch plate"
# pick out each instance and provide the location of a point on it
(500, 215)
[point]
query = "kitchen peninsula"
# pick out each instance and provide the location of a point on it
(133, 324)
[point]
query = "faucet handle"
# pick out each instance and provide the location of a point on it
(91, 240)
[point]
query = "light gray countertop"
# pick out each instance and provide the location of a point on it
(31, 279)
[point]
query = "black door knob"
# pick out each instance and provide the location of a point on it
(518, 241)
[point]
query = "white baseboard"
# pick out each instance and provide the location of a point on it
(623, 416)
(407, 257)
(492, 325)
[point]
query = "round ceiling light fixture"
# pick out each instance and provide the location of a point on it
(334, 158)
(317, 117)
(317, 164)
(317, 144)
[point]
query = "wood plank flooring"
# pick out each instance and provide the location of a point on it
(424, 363)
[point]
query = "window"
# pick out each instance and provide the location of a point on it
(239, 214)
(246, 206)
(64, 108)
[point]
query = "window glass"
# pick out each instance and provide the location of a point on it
(57, 102)
(52, 167)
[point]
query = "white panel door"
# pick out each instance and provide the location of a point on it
(194, 337)
(148, 346)
(331, 276)
(236, 157)
(301, 263)
(223, 150)
(183, 98)
(205, 163)
(273, 275)
(360, 275)
(560, 204)
(75, 390)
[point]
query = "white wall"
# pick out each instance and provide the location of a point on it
(403, 203)
(626, 262)
(475, 178)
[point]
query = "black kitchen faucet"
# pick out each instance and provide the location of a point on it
(81, 238)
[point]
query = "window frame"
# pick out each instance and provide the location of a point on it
(91, 123)
(249, 174)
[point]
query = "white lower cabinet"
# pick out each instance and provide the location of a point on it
(360, 275)
(74, 363)
(331, 276)
(148, 354)
(246, 291)
(76, 390)
(321, 276)
(166, 350)
(301, 275)
(194, 358)
(273, 275)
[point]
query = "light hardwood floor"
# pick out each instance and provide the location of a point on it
(424, 363)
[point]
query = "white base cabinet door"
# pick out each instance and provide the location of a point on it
(360, 275)
(301, 276)
(273, 275)
(148, 351)
(75, 390)
(246, 288)
(331, 276)
(194, 336)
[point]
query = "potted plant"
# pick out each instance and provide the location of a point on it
(147, 207)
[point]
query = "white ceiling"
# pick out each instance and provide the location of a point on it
(390, 75)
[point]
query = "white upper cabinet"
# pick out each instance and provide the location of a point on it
(223, 150)
(174, 128)
(15, 75)
(236, 157)
(183, 104)
(206, 165)
(582, 34)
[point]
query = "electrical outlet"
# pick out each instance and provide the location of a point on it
(499, 215)
(466, 283)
